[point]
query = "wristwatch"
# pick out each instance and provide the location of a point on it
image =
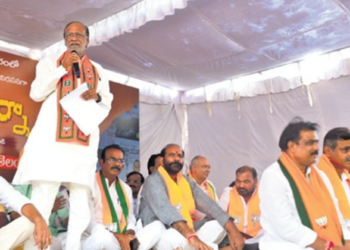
(99, 98)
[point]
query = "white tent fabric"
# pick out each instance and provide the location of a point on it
(125, 21)
(281, 79)
(197, 68)
(159, 126)
(201, 42)
(229, 141)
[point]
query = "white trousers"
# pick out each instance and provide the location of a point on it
(211, 233)
(15, 233)
(43, 197)
(104, 240)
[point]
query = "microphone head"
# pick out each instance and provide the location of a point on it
(74, 51)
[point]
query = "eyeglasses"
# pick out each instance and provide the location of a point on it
(114, 160)
(77, 35)
(132, 182)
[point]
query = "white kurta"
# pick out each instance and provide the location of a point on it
(46, 159)
(279, 216)
(346, 185)
(97, 217)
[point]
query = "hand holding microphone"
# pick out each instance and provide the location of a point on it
(71, 59)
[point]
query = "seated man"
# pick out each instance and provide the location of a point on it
(58, 220)
(154, 162)
(242, 203)
(335, 162)
(135, 180)
(199, 172)
(171, 198)
(17, 232)
(112, 226)
(298, 207)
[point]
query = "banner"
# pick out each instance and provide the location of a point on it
(18, 112)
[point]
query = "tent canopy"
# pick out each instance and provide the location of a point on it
(202, 43)
(204, 51)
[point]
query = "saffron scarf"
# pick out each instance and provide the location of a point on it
(180, 195)
(236, 210)
(67, 131)
(110, 215)
(327, 167)
(313, 201)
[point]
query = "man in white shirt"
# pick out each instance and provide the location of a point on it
(242, 203)
(335, 162)
(298, 207)
(113, 222)
(66, 154)
(199, 172)
(17, 232)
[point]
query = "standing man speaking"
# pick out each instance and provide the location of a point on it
(57, 151)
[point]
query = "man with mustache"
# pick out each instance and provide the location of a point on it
(135, 180)
(172, 198)
(66, 154)
(199, 172)
(242, 203)
(113, 222)
(298, 206)
(335, 162)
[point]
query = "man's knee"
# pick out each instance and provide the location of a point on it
(156, 227)
(104, 239)
(171, 239)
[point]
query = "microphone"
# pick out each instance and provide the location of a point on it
(76, 65)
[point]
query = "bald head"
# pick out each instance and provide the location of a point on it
(200, 168)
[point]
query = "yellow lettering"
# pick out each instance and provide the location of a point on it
(22, 129)
(18, 108)
(7, 104)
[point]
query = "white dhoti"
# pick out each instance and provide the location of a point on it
(101, 239)
(211, 233)
(43, 197)
(59, 242)
(15, 233)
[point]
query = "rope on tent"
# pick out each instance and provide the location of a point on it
(301, 80)
(309, 95)
(236, 99)
(303, 85)
(207, 102)
(268, 89)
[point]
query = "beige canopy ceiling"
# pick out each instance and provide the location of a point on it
(207, 42)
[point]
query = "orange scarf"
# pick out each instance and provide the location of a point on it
(108, 209)
(316, 200)
(180, 195)
(209, 189)
(67, 130)
(236, 210)
(326, 166)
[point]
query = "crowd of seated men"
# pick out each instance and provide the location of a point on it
(296, 204)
